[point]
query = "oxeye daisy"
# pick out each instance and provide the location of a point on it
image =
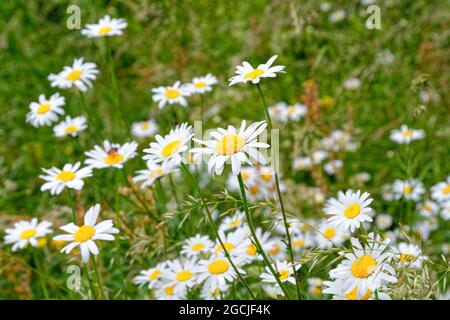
(154, 171)
(366, 267)
(294, 112)
(144, 129)
(80, 74)
(340, 292)
(71, 176)
(383, 221)
(337, 16)
(441, 191)
(411, 189)
(318, 156)
(409, 254)
(302, 163)
(246, 72)
(170, 291)
(27, 232)
(150, 277)
(85, 236)
(333, 166)
(234, 222)
(234, 145)
(236, 243)
(181, 273)
(405, 135)
(278, 111)
(105, 27)
(301, 241)
(70, 126)
(170, 146)
(349, 210)
(428, 208)
(285, 272)
(352, 84)
(202, 85)
(213, 294)
(45, 111)
(197, 245)
(175, 94)
(328, 235)
(315, 287)
(111, 155)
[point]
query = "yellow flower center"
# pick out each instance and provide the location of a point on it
(251, 250)
(184, 276)
(113, 157)
(266, 177)
(66, 176)
(352, 295)
(329, 233)
(299, 243)
(42, 242)
(253, 189)
(155, 274)
(84, 233)
(229, 246)
(171, 148)
(291, 110)
(44, 108)
(317, 291)
(284, 274)
(104, 30)
(404, 257)
(27, 234)
(352, 211)
(407, 189)
(170, 290)
(407, 133)
(172, 93)
(198, 246)
(363, 266)
(145, 126)
(446, 190)
(427, 207)
(200, 85)
(74, 75)
(276, 248)
(254, 74)
(235, 223)
(245, 175)
(218, 266)
(229, 144)
(71, 129)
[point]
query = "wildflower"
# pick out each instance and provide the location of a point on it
(383, 221)
(409, 254)
(195, 246)
(154, 171)
(201, 85)
(232, 223)
(315, 286)
(340, 291)
(46, 111)
(411, 189)
(106, 27)
(111, 155)
(71, 176)
(170, 291)
(181, 273)
(405, 135)
(329, 235)
(441, 191)
(80, 74)
(144, 129)
(337, 16)
(333, 166)
(352, 84)
(150, 277)
(427, 209)
(247, 73)
(175, 94)
(213, 294)
(27, 232)
(70, 126)
(284, 270)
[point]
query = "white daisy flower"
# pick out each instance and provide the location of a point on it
(367, 267)
(111, 155)
(234, 222)
(247, 73)
(170, 146)
(26, 232)
(387, 193)
(409, 254)
(301, 241)
(150, 277)
(175, 94)
(70, 126)
(340, 292)
(445, 212)
(273, 291)
(428, 208)
(405, 135)
(105, 27)
(215, 294)
(302, 163)
(231, 144)
(337, 16)
(265, 241)
(294, 112)
(411, 189)
(46, 111)
(170, 291)
(315, 286)
(361, 178)
(329, 235)
(333, 166)
(284, 270)
(85, 235)
(181, 273)
(154, 171)
(203, 84)
(352, 84)
(236, 243)
(144, 129)
(318, 156)
(441, 191)
(383, 221)
(71, 176)
(80, 74)
(278, 110)
(349, 210)
(197, 245)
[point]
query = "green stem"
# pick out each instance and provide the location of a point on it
(91, 286)
(117, 243)
(266, 108)
(202, 107)
(174, 191)
(40, 271)
(93, 121)
(97, 278)
(216, 231)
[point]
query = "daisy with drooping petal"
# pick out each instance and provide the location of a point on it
(144, 129)
(285, 272)
(175, 94)
(329, 235)
(411, 189)
(70, 126)
(71, 176)
(340, 292)
(197, 245)
(150, 277)
(247, 73)
(367, 267)
(441, 191)
(80, 74)
(111, 155)
(234, 145)
(26, 232)
(170, 146)
(46, 111)
(383, 221)
(349, 210)
(170, 291)
(405, 135)
(85, 236)
(154, 171)
(202, 85)
(181, 273)
(105, 27)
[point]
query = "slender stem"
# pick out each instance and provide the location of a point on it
(97, 278)
(91, 286)
(255, 238)
(117, 243)
(40, 271)
(202, 107)
(216, 231)
(174, 191)
(266, 108)
(92, 119)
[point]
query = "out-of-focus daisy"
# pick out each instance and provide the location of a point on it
(105, 27)
(70, 126)
(333, 166)
(411, 189)
(71, 176)
(277, 110)
(441, 191)
(197, 245)
(340, 291)
(171, 145)
(154, 171)
(26, 232)
(174, 94)
(315, 286)
(361, 178)
(285, 272)
(234, 145)
(329, 236)
(150, 277)
(236, 243)
(246, 72)
(367, 267)
(45, 111)
(301, 241)
(429, 95)
(293, 113)
(352, 84)
(383, 221)
(325, 6)
(302, 163)
(273, 291)
(349, 210)
(203, 84)
(80, 74)
(385, 57)
(428, 208)
(170, 291)
(409, 254)
(111, 155)
(144, 129)
(318, 156)
(405, 135)
(181, 273)
(213, 294)
(85, 236)
(445, 212)
(233, 222)
(337, 16)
